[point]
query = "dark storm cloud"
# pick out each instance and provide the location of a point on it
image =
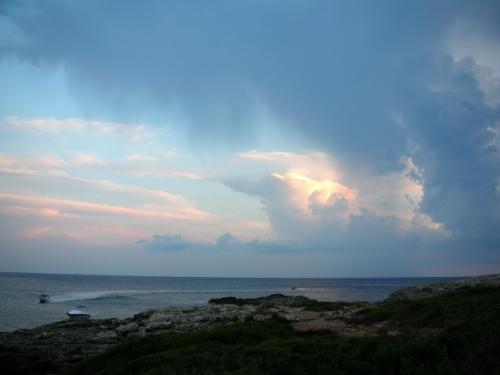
(452, 128)
(324, 67)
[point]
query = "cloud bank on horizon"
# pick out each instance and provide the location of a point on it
(265, 138)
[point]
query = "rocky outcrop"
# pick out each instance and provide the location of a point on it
(66, 343)
(273, 299)
(435, 289)
(58, 346)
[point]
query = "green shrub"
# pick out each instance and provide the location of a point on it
(456, 333)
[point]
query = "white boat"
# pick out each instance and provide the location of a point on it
(78, 313)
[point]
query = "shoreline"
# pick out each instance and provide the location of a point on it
(117, 298)
(66, 343)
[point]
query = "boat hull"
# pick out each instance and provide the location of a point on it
(78, 313)
(78, 316)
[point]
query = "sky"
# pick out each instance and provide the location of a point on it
(250, 138)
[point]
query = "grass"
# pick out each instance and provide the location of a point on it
(457, 333)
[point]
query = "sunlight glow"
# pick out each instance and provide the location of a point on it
(307, 191)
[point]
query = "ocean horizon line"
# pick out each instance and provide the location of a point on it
(240, 277)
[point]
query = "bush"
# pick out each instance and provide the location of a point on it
(457, 333)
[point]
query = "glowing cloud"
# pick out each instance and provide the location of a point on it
(307, 190)
(311, 193)
(317, 165)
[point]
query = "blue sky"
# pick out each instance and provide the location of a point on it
(250, 138)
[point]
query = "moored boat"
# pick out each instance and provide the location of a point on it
(78, 313)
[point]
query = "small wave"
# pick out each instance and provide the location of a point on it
(316, 289)
(113, 294)
(89, 296)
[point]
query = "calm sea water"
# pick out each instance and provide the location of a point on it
(123, 296)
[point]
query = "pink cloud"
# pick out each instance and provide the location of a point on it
(42, 212)
(49, 212)
(79, 207)
(155, 199)
(36, 232)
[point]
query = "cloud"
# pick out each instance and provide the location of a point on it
(25, 217)
(49, 161)
(456, 153)
(312, 180)
(316, 164)
(451, 161)
(453, 172)
(332, 89)
(169, 243)
(80, 207)
(316, 82)
(36, 232)
(75, 204)
(373, 212)
(225, 242)
(54, 166)
(297, 160)
(156, 170)
(411, 116)
(55, 126)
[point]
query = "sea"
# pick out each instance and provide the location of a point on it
(124, 296)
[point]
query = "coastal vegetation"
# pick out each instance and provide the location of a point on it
(457, 332)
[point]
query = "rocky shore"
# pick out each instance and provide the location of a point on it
(56, 347)
(59, 346)
(435, 289)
